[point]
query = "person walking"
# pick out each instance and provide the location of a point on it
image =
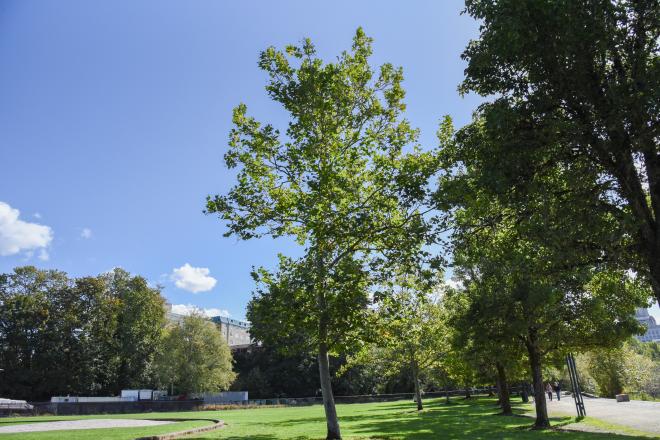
(557, 388)
(548, 389)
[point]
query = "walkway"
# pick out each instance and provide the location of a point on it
(81, 424)
(637, 414)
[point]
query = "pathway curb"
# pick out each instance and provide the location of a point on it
(217, 424)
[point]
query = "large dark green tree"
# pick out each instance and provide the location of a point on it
(587, 74)
(88, 336)
(336, 180)
(139, 326)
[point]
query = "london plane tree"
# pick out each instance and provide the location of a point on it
(337, 180)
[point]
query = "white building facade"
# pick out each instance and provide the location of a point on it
(653, 329)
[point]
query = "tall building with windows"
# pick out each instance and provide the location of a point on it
(234, 331)
(653, 329)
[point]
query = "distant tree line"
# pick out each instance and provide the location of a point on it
(265, 372)
(98, 335)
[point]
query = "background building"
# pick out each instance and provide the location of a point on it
(235, 332)
(653, 329)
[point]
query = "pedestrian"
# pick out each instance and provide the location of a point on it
(558, 390)
(548, 389)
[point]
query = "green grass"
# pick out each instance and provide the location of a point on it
(475, 419)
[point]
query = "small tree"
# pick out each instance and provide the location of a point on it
(620, 369)
(195, 357)
(337, 181)
(410, 335)
(480, 338)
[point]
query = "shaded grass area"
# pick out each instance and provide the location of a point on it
(472, 419)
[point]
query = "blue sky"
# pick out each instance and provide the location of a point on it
(114, 118)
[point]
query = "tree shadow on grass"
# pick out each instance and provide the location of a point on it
(454, 422)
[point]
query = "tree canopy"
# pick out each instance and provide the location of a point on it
(337, 180)
(584, 75)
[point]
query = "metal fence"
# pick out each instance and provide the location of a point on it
(145, 406)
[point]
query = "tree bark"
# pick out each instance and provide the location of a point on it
(328, 398)
(418, 391)
(505, 401)
(468, 394)
(535, 363)
(523, 393)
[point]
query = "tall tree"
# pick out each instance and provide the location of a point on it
(336, 180)
(98, 328)
(140, 323)
(589, 70)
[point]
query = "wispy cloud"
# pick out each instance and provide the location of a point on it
(86, 233)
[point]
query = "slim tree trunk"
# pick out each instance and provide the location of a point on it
(418, 391)
(328, 397)
(535, 360)
(468, 395)
(505, 401)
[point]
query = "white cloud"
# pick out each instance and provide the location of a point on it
(187, 309)
(193, 279)
(86, 233)
(37, 215)
(17, 235)
(217, 312)
(43, 255)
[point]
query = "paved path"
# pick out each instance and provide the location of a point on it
(643, 416)
(80, 424)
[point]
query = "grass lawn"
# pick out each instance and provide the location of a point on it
(475, 419)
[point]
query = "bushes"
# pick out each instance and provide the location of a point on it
(630, 369)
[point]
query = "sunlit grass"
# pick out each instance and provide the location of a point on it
(464, 419)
